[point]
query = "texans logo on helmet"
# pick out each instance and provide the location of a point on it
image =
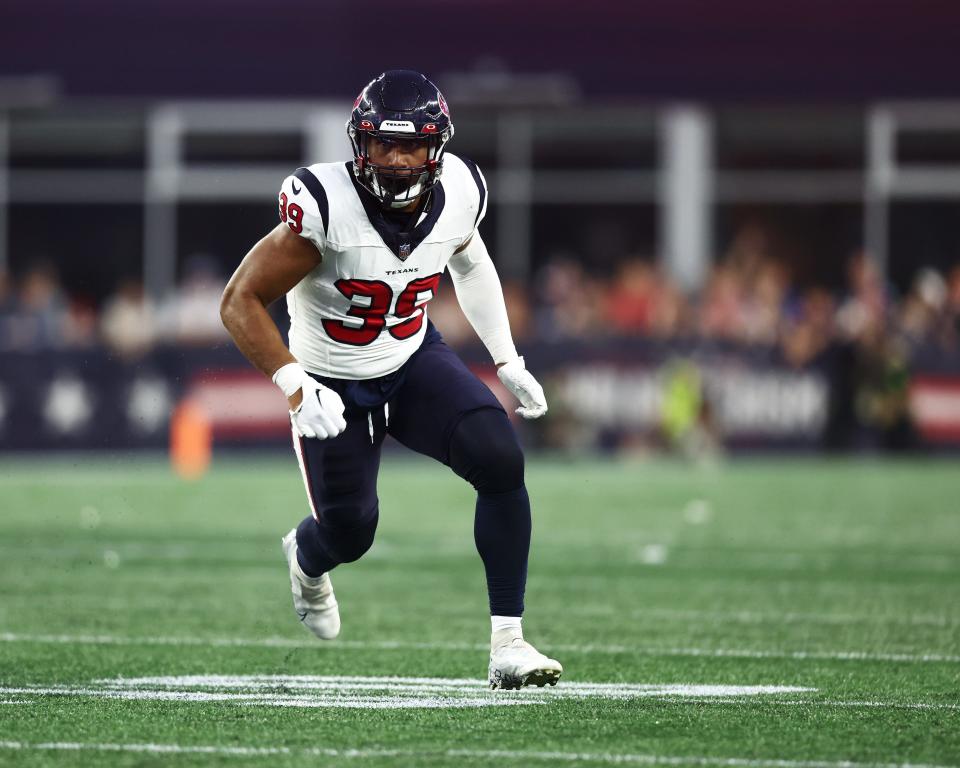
(443, 104)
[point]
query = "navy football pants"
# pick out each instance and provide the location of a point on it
(436, 407)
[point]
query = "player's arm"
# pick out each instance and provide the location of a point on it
(271, 268)
(480, 295)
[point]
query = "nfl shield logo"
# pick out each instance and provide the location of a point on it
(404, 251)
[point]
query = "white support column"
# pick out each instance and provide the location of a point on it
(4, 193)
(686, 195)
(514, 196)
(326, 136)
(160, 202)
(881, 151)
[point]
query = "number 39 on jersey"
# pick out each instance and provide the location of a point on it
(362, 311)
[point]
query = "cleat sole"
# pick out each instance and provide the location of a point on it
(538, 677)
(541, 677)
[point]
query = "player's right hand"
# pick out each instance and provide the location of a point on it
(320, 413)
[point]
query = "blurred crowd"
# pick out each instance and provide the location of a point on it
(750, 298)
(36, 312)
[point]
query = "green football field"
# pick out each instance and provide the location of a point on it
(763, 614)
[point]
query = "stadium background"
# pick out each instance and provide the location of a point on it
(722, 227)
(713, 234)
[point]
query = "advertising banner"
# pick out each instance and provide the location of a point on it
(601, 396)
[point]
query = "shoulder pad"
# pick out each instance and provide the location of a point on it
(481, 187)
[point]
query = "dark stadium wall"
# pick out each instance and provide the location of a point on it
(619, 50)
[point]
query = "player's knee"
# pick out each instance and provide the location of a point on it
(340, 533)
(502, 468)
(484, 450)
(350, 542)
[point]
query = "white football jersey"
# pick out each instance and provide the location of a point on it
(363, 311)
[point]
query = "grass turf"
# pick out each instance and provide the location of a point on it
(839, 576)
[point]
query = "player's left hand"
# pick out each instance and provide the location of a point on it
(516, 378)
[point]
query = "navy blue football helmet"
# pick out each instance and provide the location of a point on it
(399, 105)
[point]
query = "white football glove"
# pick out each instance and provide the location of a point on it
(525, 388)
(320, 413)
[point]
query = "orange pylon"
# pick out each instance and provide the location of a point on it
(191, 440)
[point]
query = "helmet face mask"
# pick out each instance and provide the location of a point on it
(400, 107)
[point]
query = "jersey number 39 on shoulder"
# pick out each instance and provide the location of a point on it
(291, 215)
(370, 301)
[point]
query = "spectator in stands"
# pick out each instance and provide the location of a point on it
(516, 296)
(7, 310)
(952, 307)
(191, 315)
(920, 316)
(672, 312)
(630, 302)
(809, 330)
(39, 312)
(569, 300)
(129, 322)
(864, 310)
(721, 305)
(762, 310)
(80, 323)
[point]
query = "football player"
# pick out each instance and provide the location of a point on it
(359, 252)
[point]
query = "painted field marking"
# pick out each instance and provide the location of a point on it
(359, 692)
(353, 692)
(389, 645)
(500, 754)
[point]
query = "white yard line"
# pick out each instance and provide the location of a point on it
(453, 686)
(389, 701)
(355, 692)
(488, 754)
(283, 642)
(373, 692)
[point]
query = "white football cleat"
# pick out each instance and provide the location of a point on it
(313, 598)
(515, 663)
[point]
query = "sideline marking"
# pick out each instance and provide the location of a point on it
(503, 754)
(352, 692)
(389, 645)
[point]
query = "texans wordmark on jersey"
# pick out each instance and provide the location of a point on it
(362, 311)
